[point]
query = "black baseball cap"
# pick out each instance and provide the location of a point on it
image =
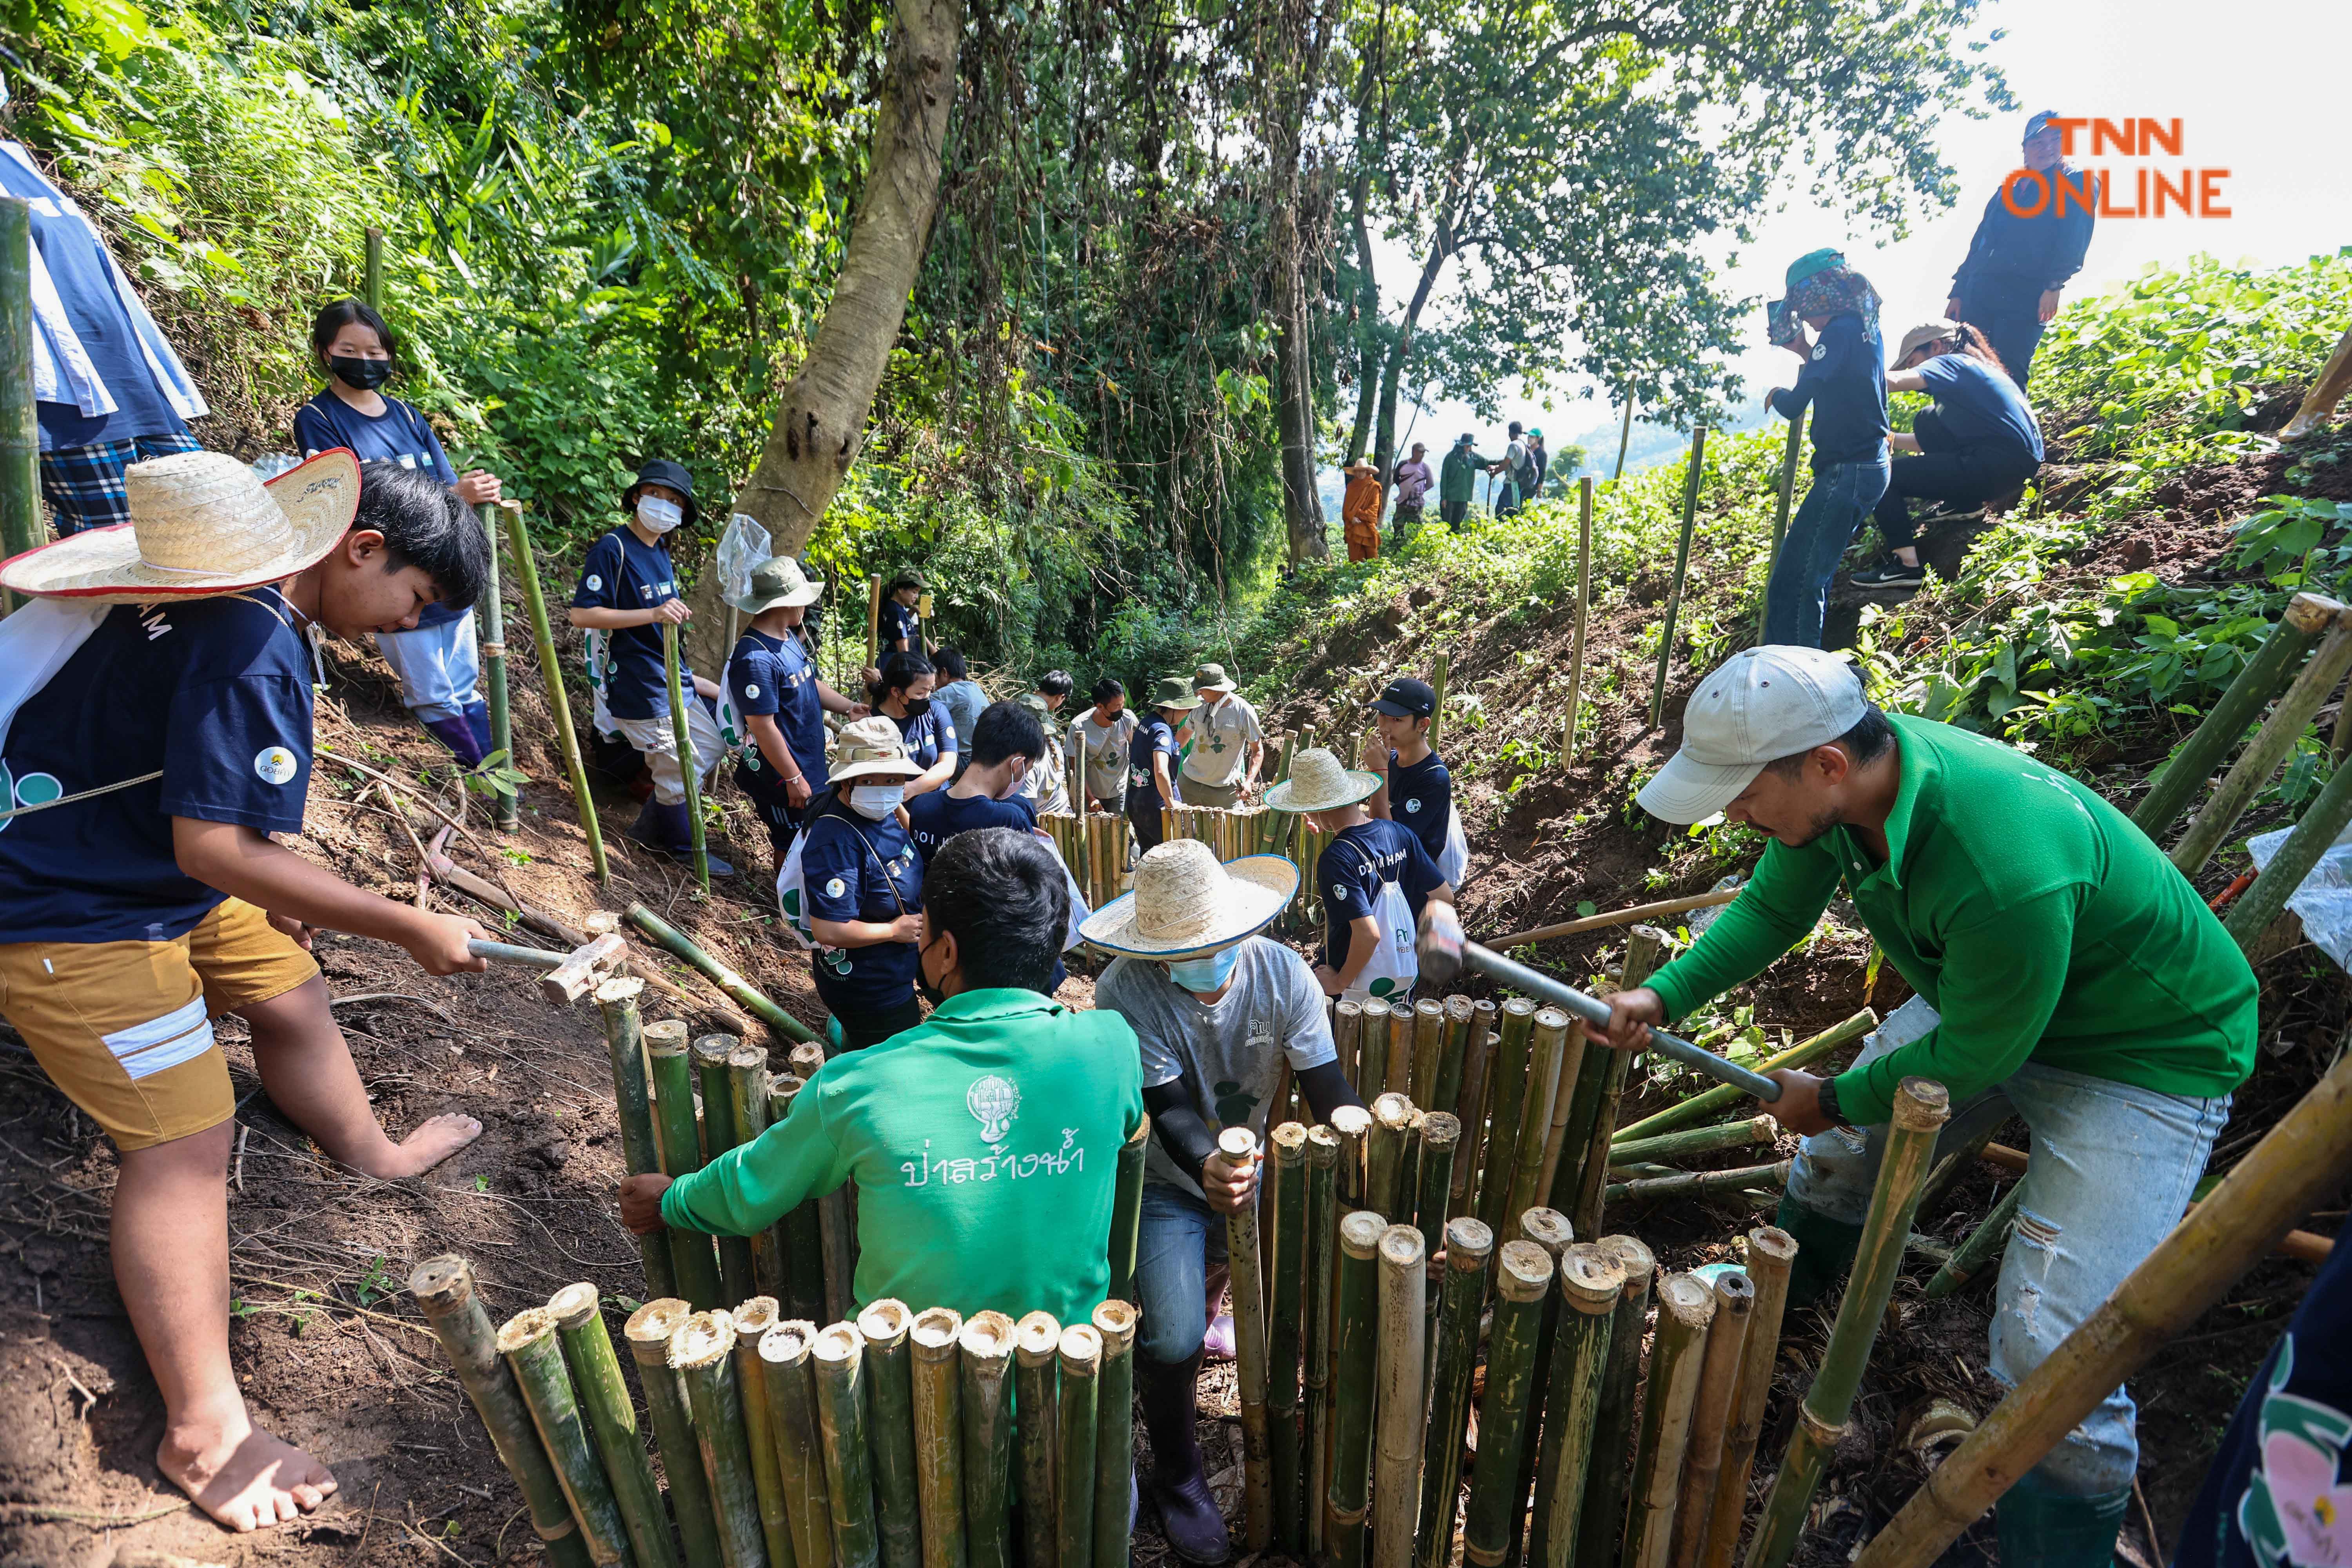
(1406, 698)
(662, 471)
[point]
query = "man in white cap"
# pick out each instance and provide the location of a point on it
(2067, 973)
(1223, 743)
(1374, 879)
(154, 730)
(1217, 1009)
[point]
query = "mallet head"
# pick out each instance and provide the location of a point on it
(1439, 947)
(588, 966)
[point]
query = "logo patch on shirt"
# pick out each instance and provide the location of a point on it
(753, 690)
(1412, 806)
(275, 764)
(836, 888)
(595, 581)
(1820, 350)
(994, 1103)
(1341, 892)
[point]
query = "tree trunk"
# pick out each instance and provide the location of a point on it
(1368, 327)
(1295, 391)
(1441, 246)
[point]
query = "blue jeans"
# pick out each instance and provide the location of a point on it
(437, 666)
(1179, 1238)
(2112, 1172)
(1826, 522)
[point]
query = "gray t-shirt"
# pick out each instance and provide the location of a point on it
(1217, 741)
(1229, 1055)
(963, 699)
(1105, 746)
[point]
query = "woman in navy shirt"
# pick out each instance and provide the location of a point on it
(902, 626)
(438, 662)
(1980, 443)
(904, 692)
(865, 880)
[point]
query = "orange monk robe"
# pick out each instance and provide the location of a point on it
(1360, 511)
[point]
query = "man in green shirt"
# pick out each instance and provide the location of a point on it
(984, 1141)
(2067, 974)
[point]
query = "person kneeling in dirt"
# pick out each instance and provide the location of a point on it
(985, 1143)
(154, 728)
(1375, 877)
(1217, 1009)
(1979, 444)
(772, 705)
(2067, 973)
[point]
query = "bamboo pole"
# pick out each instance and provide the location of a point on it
(1398, 1384)
(748, 1096)
(741, 991)
(491, 608)
(1607, 918)
(1601, 1524)
(624, 1044)
(543, 635)
(2292, 715)
(1439, 667)
(444, 1289)
(1668, 1147)
(789, 1377)
(1398, 1079)
(1591, 1281)
(2323, 823)
(1783, 495)
(712, 1077)
(1583, 606)
(1469, 1246)
(1644, 947)
(1770, 1253)
(1491, 1528)
(1982, 1245)
(1685, 1308)
(1239, 1144)
(1322, 1238)
(1037, 1340)
(526, 1340)
(1920, 1110)
(1428, 1051)
(1446, 1093)
(2284, 1176)
(1077, 1411)
(1356, 1341)
(1719, 1387)
(802, 1244)
(647, 1333)
(1691, 1183)
(1477, 1052)
(1569, 1057)
(1441, 1135)
(1114, 1326)
(1384, 1157)
(1682, 570)
(984, 1365)
(889, 1377)
(938, 1437)
(603, 1398)
(689, 765)
(751, 1321)
(1373, 1065)
(874, 622)
(1804, 1053)
(694, 1263)
(1547, 1228)
(1510, 1071)
(1409, 1175)
(1286, 1335)
(371, 269)
(701, 1352)
(1352, 1126)
(1347, 1037)
(20, 431)
(839, 1355)
(1127, 1210)
(1528, 1188)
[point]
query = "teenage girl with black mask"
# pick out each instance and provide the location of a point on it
(904, 692)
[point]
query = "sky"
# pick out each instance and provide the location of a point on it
(2257, 85)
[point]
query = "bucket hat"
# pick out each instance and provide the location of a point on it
(662, 471)
(1173, 693)
(1318, 782)
(872, 748)
(1932, 331)
(778, 582)
(1211, 678)
(1185, 904)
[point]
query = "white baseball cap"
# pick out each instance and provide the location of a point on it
(1763, 704)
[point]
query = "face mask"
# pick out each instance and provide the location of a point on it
(931, 993)
(659, 516)
(1203, 975)
(361, 374)
(1014, 779)
(875, 801)
(918, 706)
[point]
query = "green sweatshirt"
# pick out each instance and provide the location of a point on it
(2028, 911)
(984, 1143)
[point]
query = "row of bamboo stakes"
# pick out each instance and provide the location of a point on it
(1093, 847)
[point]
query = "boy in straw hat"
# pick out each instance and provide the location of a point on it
(154, 730)
(772, 706)
(1152, 756)
(1374, 877)
(1217, 1009)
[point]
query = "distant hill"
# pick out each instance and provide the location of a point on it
(1654, 444)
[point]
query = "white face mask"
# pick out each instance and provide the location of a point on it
(875, 801)
(659, 516)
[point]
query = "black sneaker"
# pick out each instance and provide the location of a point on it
(1891, 574)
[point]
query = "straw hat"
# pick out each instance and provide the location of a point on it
(778, 582)
(1185, 904)
(201, 523)
(1318, 782)
(872, 748)
(1171, 692)
(1211, 678)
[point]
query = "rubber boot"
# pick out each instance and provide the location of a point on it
(1824, 1248)
(664, 826)
(2054, 1530)
(460, 737)
(477, 720)
(1189, 1516)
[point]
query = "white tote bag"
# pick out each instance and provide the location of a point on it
(1456, 862)
(1394, 965)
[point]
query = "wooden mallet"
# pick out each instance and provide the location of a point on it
(570, 975)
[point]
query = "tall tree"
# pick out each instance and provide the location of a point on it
(1294, 38)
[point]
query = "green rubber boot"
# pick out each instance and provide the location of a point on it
(1824, 1247)
(2054, 1530)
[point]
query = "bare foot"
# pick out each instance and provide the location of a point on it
(241, 1476)
(435, 1139)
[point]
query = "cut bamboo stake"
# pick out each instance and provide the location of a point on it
(1114, 1323)
(751, 1321)
(938, 1437)
(1477, 1053)
(444, 1289)
(624, 1044)
(1528, 1187)
(1804, 1053)
(1984, 1244)
(1682, 569)
(1668, 1147)
(1718, 1386)
(1446, 1095)
(790, 1378)
(1037, 1340)
(1590, 1282)
(491, 607)
(691, 1258)
(741, 991)
(889, 1374)
(1322, 1236)
(1919, 1112)
(527, 1341)
(1398, 1384)
(1438, 669)
(1566, 1047)
(1074, 1460)
(603, 1398)
(1469, 1246)
(837, 1233)
(1626, 916)
(1770, 1253)
(1441, 1135)
(1600, 1524)
(2285, 1176)
(1691, 1183)
(1491, 1528)
(2210, 827)
(984, 1364)
(1126, 1211)
(1549, 1230)
(1286, 1335)
(1509, 1070)
(648, 1332)
(1356, 1342)
(1373, 1065)
(689, 765)
(1428, 1051)
(1398, 1079)
(737, 1274)
(1644, 947)
(701, 1352)
(1347, 1037)
(1583, 602)
(1685, 1307)
(551, 672)
(874, 622)
(1352, 1125)
(20, 428)
(839, 1355)
(746, 1107)
(802, 1243)
(1239, 1144)
(1783, 494)
(1384, 1157)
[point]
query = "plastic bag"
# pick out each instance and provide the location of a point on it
(2324, 897)
(743, 546)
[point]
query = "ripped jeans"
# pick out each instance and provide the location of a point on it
(2113, 1168)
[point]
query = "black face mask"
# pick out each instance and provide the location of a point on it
(931, 993)
(362, 374)
(918, 706)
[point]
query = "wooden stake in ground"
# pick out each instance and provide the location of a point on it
(691, 1258)
(527, 1341)
(1583, 604)
(632, 1103)
(1566, 1047)
(1719, 1387)
(890, 1376)
(1373, 1064)
(1114, 1324)
(2272, 744)
(603, 1398)
(802, 1244)
(1461, 1298)
(1126, 1211)
(1357, 1339)
(1590, 1282)
(1428, 1049)
(1352, 1126)
(1685, 1307)
(689, 765)
(1920, 1110)
(647, 1333)
(1438, 668)
(747, 1111)
(490, 605)
(1286, 1334)
(551, 672)
(1439, 1135)
(1239, 1144)
(1600, 1525)
(444, 1289)
(1347, 1037)
(1682, 570)
(1476, 1052)
(1770, 1253)
(702, 1353)
(1384, 1157)
(1398, 1384)
(984, 1362)
(752, 1322)
(737, 1276)
(1549, 1230)
(1446, 1095)
(1073, 1457)
(839, 1355)
(1644, 946)
(794, 1426)
(1526, 1188)
(1784, 493)
(1509, 1070)
(1038, 1341)
(1322, 1243)
(938, 1437)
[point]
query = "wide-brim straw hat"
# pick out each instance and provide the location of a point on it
(1185, 904)
(778, 582)
(1318, 782)
(201, 523)
(872, 748)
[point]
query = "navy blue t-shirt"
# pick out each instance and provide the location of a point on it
(398, 435)
(930, 735)
(624, 573)
(216, 693)
(1349, 875)
(938, 817)
(1980, 406)
(1421, 797)
(773, 676)
(846, 881)
(1152, 733)
(900, 621)
(1845, 382)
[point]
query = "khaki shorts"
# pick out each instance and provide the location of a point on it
(125, 1028)
(1192, 792)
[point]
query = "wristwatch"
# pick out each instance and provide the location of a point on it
(1825, 1099)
